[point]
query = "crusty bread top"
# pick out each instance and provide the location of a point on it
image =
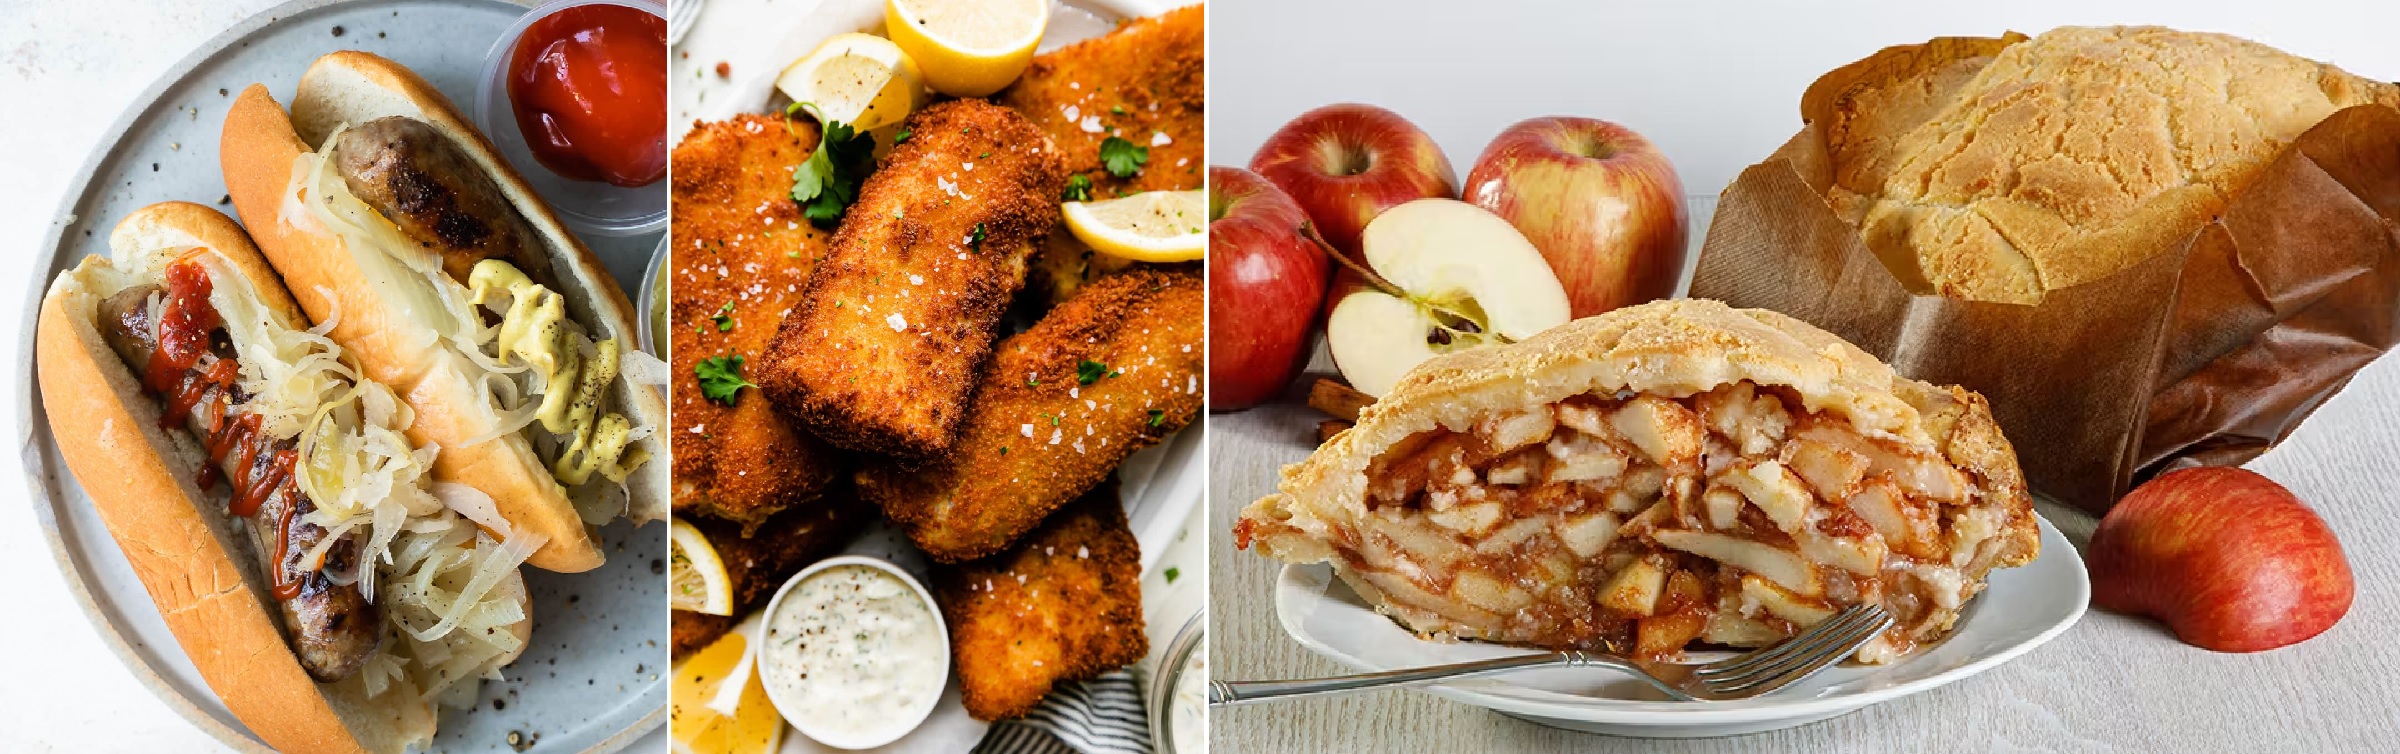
(2068, 157)
(1673, 348)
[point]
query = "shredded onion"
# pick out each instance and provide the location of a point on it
(473, 504)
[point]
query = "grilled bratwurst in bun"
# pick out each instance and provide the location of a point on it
(457, 287)
(268, 494)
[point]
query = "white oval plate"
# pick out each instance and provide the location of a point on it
(2022, 608)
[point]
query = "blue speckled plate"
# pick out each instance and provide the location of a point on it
(595, 677)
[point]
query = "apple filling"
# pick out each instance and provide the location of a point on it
(1640, 524)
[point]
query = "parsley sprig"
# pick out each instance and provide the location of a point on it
(1088, 371)
(1079, 189)
(1122, 158)
(721, 378)
(827, 184)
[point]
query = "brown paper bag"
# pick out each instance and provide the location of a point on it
(2208, 353)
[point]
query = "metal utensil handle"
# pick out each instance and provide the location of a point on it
(1228, 693)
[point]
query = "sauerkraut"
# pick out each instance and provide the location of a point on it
(519, 390)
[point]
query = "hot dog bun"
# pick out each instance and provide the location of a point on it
(388, 336)
(193, 559)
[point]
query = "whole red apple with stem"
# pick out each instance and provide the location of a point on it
(2228, 559)
(1344, 164)
(1601, 203)
(1265, 282)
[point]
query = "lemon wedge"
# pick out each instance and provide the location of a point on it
(753, 728)
(968, 48)
(860, 79)
(697, 580)
(1152, 226)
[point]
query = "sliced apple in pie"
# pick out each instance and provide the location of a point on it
(1668, 474)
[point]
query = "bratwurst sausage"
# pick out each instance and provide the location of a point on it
(439, 198)
(332, 627)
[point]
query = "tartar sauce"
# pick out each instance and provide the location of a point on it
(1190, 709)
(856, 652)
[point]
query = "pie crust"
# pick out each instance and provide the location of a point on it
(1673, 473)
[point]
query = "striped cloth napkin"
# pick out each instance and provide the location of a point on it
(1100, 716)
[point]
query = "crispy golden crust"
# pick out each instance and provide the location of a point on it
(1674, 349)
(1036, 436)
(1152, 69)
(2070, 156)
(884, 346)
(759, 563)
(740, 240)
(1065, 605)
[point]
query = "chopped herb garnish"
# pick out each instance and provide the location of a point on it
(724, 317)
(721, 378)
(1079, 189)
(975, 239)
(1003, 450)
(1117, 109)
(1088, 371)
(828, 182)
(1122, 158)
(1172, 572)
(1158, 417)
(902, 136)
(1033, 381)
(984, 155)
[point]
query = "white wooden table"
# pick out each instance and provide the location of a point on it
(1718, 86)
(68, 68)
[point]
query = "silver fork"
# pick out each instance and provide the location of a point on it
(1740, 677)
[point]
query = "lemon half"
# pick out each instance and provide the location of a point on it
(697, 581)
(1152, 226)
(968, 48)
(753, 728)
(860, 79)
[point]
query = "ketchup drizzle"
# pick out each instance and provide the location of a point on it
(175, 373)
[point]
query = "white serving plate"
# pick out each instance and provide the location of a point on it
(2022, 608)
(1159, 486)
(593, 678)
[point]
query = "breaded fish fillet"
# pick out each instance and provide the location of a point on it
(1142, 83)
(759, 563)
(742, 254)
(1065, 605)
(883, 349)
(1111, 371)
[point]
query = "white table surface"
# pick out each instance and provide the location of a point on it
(1717, 85)
(68, 68)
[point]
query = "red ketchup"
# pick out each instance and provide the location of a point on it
(589, 87)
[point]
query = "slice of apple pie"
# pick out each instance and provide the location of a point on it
(1660, 475)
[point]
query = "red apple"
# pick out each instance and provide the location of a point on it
(1265, 281)
(1601, 203)
(2228, 559)
(1345, 164)
(1448, 276)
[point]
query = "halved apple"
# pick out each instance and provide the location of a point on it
(1447, 276)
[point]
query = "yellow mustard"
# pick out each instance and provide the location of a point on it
(534, 331)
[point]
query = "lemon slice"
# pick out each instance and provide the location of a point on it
(697, 580)
(753, 728)
(968, 48)
(1152, 226)
(860, 79)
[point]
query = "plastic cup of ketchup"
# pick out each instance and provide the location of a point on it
(574, 95)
